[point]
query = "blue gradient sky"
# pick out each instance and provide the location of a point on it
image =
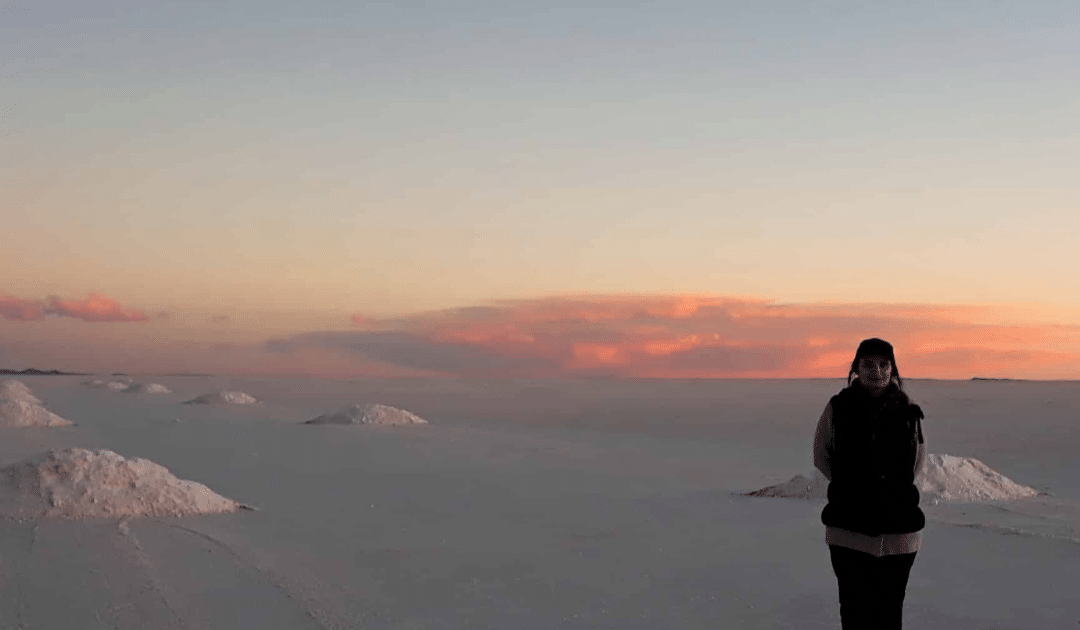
(298, 163)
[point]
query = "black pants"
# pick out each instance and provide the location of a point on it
(871, 589)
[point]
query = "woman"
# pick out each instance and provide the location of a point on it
(869, 445)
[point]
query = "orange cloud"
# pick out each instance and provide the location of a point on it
(705, 336)
(19, 309)
(95, 307)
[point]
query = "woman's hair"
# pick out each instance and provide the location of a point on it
(876, 347)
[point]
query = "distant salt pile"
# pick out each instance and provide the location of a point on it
(223, 397)
(368, 414)
(78, 483)
(148, 388)
(798, 487)
(20, 408)
(116, 385)
(945, 478)
(11, 389)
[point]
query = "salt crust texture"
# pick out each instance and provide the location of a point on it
(148, 388)
(944, 479)
(368, 414)
(223, 397)
(78, 483)
(20, 408)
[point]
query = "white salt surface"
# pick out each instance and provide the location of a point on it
(372, 413)
(531, 506)
(147, 388)
(222, 397)
(79, 483)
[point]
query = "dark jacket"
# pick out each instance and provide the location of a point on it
(876, 441)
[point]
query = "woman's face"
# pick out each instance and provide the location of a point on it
(875, 372)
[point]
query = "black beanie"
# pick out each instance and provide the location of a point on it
(875, 346)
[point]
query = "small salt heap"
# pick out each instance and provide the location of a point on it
(222, 397)
(11, 389)
(944, 478)
(148, 388)
(115, 385)
(368, 414)
(19, 407)
(78, 483)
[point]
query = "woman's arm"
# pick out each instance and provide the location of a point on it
(920, 458)
(823, 442)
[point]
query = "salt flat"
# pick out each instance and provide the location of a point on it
(571, 504)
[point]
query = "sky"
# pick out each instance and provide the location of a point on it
(540, 189)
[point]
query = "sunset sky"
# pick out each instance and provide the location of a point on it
(537, 188)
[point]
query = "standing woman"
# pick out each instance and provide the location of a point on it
(869, 445)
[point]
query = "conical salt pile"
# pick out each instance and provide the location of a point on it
(147, 388)
(223, 397)
(78, 483)
(944, 478)
(11, 389)
(368, 414)
(19, 407)
(798, 487)
(947, 478)
(115, 385)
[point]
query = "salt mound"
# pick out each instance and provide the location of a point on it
(115, 385)
(965, 480)
(798, 487)
(229, 398)
(944, 478)
(78, 483)
(149, 388)
(368, 414)
(21, 413)
(11, 389)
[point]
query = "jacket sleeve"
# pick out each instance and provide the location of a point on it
(823, 443)
(920, 459)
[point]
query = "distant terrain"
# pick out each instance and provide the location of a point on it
(36, 372)
(980, 378)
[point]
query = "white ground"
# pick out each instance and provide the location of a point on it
(532, 506)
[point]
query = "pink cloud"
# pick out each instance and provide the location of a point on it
(95, 307)
(702, 336)
(357, 318)
(19, 309)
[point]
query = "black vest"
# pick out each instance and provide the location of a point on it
(875, 445)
